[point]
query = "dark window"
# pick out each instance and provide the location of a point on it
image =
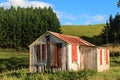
(38, 53)
(43, 52)
(59, 54)
(47, 39)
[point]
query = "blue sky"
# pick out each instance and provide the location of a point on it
(73, 12)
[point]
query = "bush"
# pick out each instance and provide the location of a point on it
(115, 61)
(115, 54)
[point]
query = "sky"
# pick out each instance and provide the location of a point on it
(72, 12)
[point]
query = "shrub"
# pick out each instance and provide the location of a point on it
(115, 61)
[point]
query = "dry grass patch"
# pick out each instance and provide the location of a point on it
(114, 47)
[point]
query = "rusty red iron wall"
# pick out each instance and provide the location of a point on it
(74, 53)
(100, 56)
(107, 56)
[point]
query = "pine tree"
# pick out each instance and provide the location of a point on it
(111, 32)
(20, 27)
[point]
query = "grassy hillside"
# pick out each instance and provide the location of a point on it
(82, 30)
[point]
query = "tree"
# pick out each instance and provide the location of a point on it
(118, 4)
(20, 27)
(111, 32)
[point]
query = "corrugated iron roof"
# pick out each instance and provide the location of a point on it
(72, 39)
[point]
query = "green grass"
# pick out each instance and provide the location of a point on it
(82, 30)
(11, 59)
(115, 61)
(8, 53)
(112, 74)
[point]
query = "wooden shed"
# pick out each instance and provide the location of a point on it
(55, 52)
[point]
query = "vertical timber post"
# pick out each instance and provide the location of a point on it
(48, 52)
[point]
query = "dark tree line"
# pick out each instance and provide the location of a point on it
(111, 32)
(118, 3)
(20, 27)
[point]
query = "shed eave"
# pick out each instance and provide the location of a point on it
(89, 46)
(37, 39)
(56, 37)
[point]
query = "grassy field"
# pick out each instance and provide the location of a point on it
(19, 63)
(11, 59)
(82, 30)
(112, 74)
